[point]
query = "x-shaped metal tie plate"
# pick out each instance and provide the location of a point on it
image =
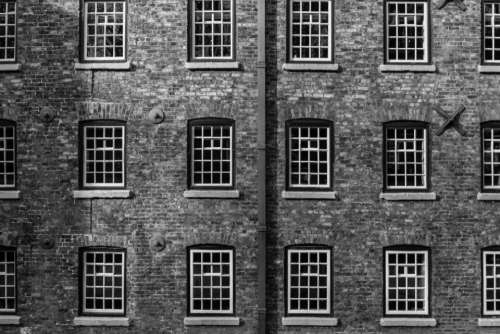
(460, 4)
(451, 121)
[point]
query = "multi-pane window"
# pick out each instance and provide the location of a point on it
(103, 281)
(7, 31)
(407, 31)
(491, 31)
(491, 156)
(104, 27)
(491, 281)
(7, 280)
(405, 150)
(308, 280)
(311, 30)
(103, 153)
(212, 29)
(211, 280)
(211, 152)
(309, 150)
(407, 281)
(7, 154)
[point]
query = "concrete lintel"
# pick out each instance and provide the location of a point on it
(417, 196)
(211, 321)
(408, 322)
(10, 320)
(326, 67)
(488, 68)
(10, 194)
(211, 193)
(102, 321)
(407, 68)
(103, 66)
(10, 67)
(488, 322)
(310, 321)
(331, 195)
(212, 65)
(488, 196)
(98, 193)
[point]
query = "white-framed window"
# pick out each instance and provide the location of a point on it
(310, 30)
(491, 31)
(7, 154)
(211, 280)
(491, 281)
(104, 30)
(309, 154)
(308, 280)
(103, 281)
(407, 281)
(8, 293)
(8, 31)
(103, 153)
(491, 155)
(405, 150)
(212, 25)
(211, 153)
(407, 31)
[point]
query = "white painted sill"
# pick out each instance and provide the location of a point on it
(10, 320)
(10, 194)
(408, 322)
(211, 193)
(298, 67)
(290, 194)
(96, 193)
(407, 68)
(103, 66)
(488, 322)
(211, 321)
(212, 65)
(488, 196)
(488, 68)
(10, 67)
(403, 196)
(310, 321)
(102, 321)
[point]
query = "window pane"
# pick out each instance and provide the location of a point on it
(7, 155)
(7, 281)
(7, 30)
(491, 282)
(491, 158)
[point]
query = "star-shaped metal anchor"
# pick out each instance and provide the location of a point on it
(451, 121)
(460, 4)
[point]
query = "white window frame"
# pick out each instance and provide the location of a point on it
(309, 250)
(493, 27)
(426, 27)
(6, 25)
(211, 250)
(492, 151)
(495, 276)
(330, 34)
(4, 273)
(425, 311)
(3, 150)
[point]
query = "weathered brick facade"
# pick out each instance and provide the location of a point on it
(358, 99)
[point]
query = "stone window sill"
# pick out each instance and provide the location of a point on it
(212, 321)
(10, 320)
(417, 196)
(310, 321)
(407, 68)
(10, 67)
(103, 66)
(10, 194)
(311, 67)
(211, 193)
(488, 196)
(101, 193)
(213, 65)
(408, 322)
(488, 322)
(331, 195)
(488, 68)
(101, 321)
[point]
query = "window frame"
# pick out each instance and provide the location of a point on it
(82, 32)
(7, 122)
(81, 285)
(427, 44)
(309, 122)
(484, 251)
(484, 126)
(408, 248)
(427, 146)
(81, 148)
(211, 247)
(331, 46)
(190, 34)
(211, 121)
(483, 62)
(14, 249)
(13, 61)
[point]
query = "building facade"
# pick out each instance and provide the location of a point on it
(181, 167)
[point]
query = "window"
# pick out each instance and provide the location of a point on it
(102, 272)
(405, 156)
(102, 154)
(309, 152)
(491, 280)
(491, 31)
(407, 30)
(211, 153)
(8, 292)
(104, 31)
(308, 280)
(8, 31)
(407, 280)
(211, 280)
(491, 156)
(7, 154)
(310, 30)
(212, 25)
